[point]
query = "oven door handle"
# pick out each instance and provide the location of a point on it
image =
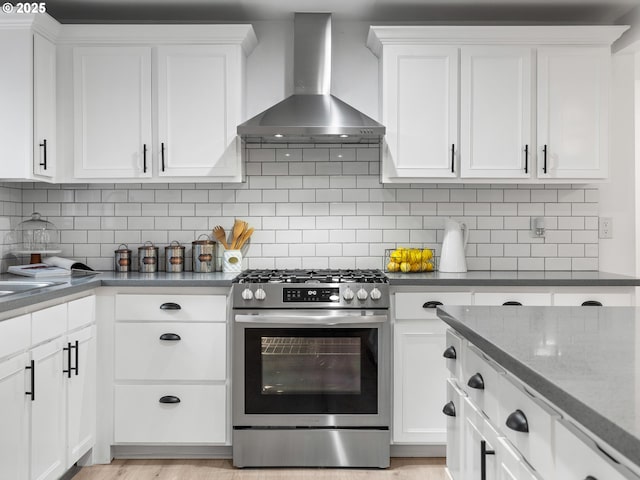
(330, 320)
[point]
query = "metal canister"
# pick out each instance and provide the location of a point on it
(148, 258)
(123, 258)
(204, 254)
(174, 257)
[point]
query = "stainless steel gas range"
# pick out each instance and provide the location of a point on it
(311, 368)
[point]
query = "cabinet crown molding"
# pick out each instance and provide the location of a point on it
(42, 23)
(225, 34)
(588, 35)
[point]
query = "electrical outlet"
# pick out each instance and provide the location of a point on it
(605, 227)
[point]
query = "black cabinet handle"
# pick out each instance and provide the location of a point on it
(544, 162)
(476, 381)
(432, 304)
(518, 421)
(449, 409)
(483, 459)
(144, 158)
(170, 306)
(75, 369)
(43, 164)
(589, 477)
(591, 303)
(68, 350)
(170, 337)
(526, 159)
(169, 399)
(511, 302)
(453, 157)
(162, 155)
(450, 353)
(32, 367)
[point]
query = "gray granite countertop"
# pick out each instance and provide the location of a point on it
(584, 360)
(515, 279)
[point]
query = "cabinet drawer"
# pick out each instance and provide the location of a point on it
(512, 465)
(81, 312)
(410, 305)
(500, 298)
(455, 423)
(15, 335)
(170, 351)
(199, 417)
(617, 299)
(571, 444)
(535, 419)
(482, 372)
(166, 307)
(453, 354)
(48, 323)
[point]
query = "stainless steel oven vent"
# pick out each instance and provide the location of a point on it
(311, 114)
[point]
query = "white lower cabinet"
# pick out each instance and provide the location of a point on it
(47, 411)
(170, 413)
(14, 417)
(170, 369)
(454, 410)
(479, 459)
(419, 343)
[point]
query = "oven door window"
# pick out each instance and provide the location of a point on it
(311, 370)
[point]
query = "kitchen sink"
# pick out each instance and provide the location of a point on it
(11, 287)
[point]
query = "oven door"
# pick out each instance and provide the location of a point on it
(315, 368)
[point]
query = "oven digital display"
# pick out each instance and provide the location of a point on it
(311, 294)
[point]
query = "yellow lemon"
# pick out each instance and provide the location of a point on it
(393, 267)
(429, 267)
(427, 254)
(405, 266)
(415, 267)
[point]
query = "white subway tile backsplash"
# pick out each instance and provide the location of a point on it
(316, 207)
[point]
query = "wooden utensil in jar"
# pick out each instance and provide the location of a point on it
(221, 236)
(245, 236)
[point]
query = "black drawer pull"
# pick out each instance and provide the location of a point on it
(476, 381)
(170, 306)
(589, 477)
(512, 303)
(450, 353)
(43, 164)
(32, 367)
(591, 303)
(77, 358)
(483, 459)
(170, 337)
(518, 421)
(68, 349)
(169, 399)
(432, 304)
(449, 409)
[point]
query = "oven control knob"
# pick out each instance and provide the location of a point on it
(375, 294)
(260, 294)
(348, 294)
(247, 294)
(362, 294)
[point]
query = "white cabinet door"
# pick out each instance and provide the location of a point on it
(14, 446)
(573, 117)
(44, 107)
(112, 118)
(197, 110)
(455, 433)
(480, 445)
(420, 111)
(47, 412)
(81, 394)
(419, 377)
(495, 112)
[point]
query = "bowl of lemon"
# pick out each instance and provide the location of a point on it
(410, 260)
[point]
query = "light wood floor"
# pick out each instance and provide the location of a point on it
(401, 469)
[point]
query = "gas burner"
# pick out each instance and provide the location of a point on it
(312, 276)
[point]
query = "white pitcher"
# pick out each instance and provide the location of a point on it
(452, 256)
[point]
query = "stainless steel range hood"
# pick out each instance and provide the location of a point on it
(311, 114)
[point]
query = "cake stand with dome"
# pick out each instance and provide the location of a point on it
(36, 237)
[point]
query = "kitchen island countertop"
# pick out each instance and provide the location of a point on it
(583, 360)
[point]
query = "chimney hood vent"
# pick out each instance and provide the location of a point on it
(311, 114)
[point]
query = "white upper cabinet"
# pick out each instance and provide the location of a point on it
(420, 111)
(489, 103)
(28, 97)
(573, 112)
(154, 103)
(112, 100)
(495, 112)
(196, 123)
